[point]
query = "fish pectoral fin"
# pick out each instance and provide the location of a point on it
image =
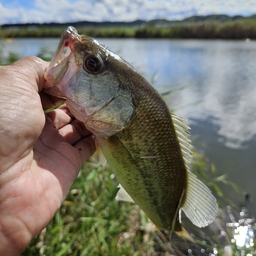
(122, 195)
(99, 154)
(200, 205)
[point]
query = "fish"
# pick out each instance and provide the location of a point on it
(147, 147)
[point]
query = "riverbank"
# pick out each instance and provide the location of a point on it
(237, 29)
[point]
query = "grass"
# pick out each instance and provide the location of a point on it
(92, 222)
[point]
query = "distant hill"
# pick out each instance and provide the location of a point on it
(136, 23)
(220, 18)
(199, 27)
(197, 19)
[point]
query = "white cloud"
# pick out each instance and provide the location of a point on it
(120, 10)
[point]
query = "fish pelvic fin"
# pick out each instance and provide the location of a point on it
(176, 225)
(99, 154)
(183, 233)
(200, 205)
(122, 195)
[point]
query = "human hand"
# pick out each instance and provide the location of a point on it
(40, 155)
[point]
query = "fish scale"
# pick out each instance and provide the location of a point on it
(147, 148)
(167, 167)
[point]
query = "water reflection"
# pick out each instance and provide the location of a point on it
(227, 91)
(218, 74)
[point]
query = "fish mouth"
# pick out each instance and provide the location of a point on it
(59, 64)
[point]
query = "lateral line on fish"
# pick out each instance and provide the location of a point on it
(148, 157)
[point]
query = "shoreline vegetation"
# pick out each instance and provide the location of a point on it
(91, 222)
(195, 27)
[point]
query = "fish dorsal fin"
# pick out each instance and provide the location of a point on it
(122, 195)
(182, 133)
(200, 205)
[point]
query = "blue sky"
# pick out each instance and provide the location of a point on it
(20, 11)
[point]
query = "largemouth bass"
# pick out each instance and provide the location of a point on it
(147, 147)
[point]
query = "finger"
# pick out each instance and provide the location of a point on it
(74, 132)
(32, 70)
(60, 117)
(86, 147)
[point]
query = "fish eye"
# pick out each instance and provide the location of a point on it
(92, 64)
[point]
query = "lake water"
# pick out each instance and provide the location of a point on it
(215, 91)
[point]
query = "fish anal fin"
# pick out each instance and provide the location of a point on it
(122, 195)
(200, 205)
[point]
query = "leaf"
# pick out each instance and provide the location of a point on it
(222, 178)
(213, 169)
(217, 190)
(54, 107)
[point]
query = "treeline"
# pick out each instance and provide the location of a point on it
(135, 23)
(56, 32)
(235, 29)
(202, 30)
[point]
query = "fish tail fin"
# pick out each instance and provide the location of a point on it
(183, 233)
